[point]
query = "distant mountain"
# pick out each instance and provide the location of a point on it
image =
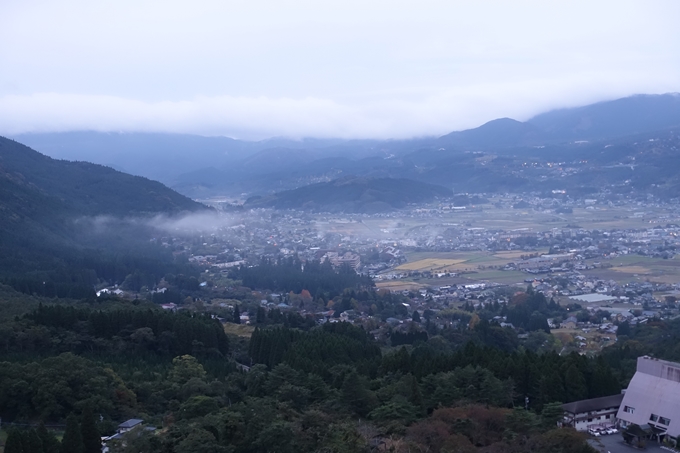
(82, 188)
(152, 155)
(353, 194)
(611, 119)
(500, 133)
(48, 226)
(603, 120)
(202, 167)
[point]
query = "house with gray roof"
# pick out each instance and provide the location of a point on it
(585, 414)
(653, 398)
(129, 424)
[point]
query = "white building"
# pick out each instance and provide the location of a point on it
(653, 398)
(585, 414)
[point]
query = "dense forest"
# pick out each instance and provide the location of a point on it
(331, 388)
(290, 274)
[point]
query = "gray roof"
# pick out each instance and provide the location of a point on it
(655, 389)
(594, 404)
(130, 423)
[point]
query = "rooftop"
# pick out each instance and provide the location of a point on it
(593, 404)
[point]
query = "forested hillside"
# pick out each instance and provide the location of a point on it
(353, 194)
(52, 241)
(332, 388)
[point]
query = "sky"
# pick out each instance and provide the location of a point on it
(254, 69)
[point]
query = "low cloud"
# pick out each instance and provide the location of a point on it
(432, 112)
(184, 224)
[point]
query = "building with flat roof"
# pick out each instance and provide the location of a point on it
(653, 398)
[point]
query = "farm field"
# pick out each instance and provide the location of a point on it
(400, 285)
(595, 340)
(240, 330)
(631, 268)
(431, 264)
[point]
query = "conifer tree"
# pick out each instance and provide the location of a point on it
(72, 442)
(49, 441)
(32, 442)
(237, 314)
(416, 316)
(13, 444)
(260, 319)
(88, 429)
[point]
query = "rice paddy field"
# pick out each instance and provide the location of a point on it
(486, 266)
(631, 268)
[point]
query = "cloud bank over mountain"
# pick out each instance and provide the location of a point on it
(325, 69)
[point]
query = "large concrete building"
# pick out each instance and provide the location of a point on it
(653, 398)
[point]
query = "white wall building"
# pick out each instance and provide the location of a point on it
(584, 414)
(653, 397)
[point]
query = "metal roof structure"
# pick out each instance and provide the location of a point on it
(653, 396)
(593, 404)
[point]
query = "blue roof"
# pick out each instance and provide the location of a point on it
(130, 423)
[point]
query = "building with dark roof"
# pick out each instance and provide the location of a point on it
(583, 414)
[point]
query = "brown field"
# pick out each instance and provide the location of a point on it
(515, 254)
(240, 330)
(632, 269)
(398, 285)
(430, 264)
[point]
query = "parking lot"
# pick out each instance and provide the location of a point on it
(614, 444)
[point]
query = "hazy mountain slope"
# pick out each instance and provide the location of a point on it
(500, 133)
(153, 155)
(47, 226)
(208, 166)
(618, 118)
(83, 188)
(353, 194)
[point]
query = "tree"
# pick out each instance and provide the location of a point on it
(13, 443)
(88, 429)
(416, 316)
(551, 414)
(72, 442)
(575, 384)
(49, 441)
(32, 442)
(357, 396)
(237, 314)
(261, 315)
(624, 329)
(184, 368)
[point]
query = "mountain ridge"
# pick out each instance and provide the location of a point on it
(209, 166)
(353, 194)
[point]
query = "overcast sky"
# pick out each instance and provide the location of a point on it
(353, 69)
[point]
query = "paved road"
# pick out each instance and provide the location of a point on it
(614, 443)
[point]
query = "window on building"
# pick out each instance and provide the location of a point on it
(630, 410)
(654, 417)
(664, 421)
